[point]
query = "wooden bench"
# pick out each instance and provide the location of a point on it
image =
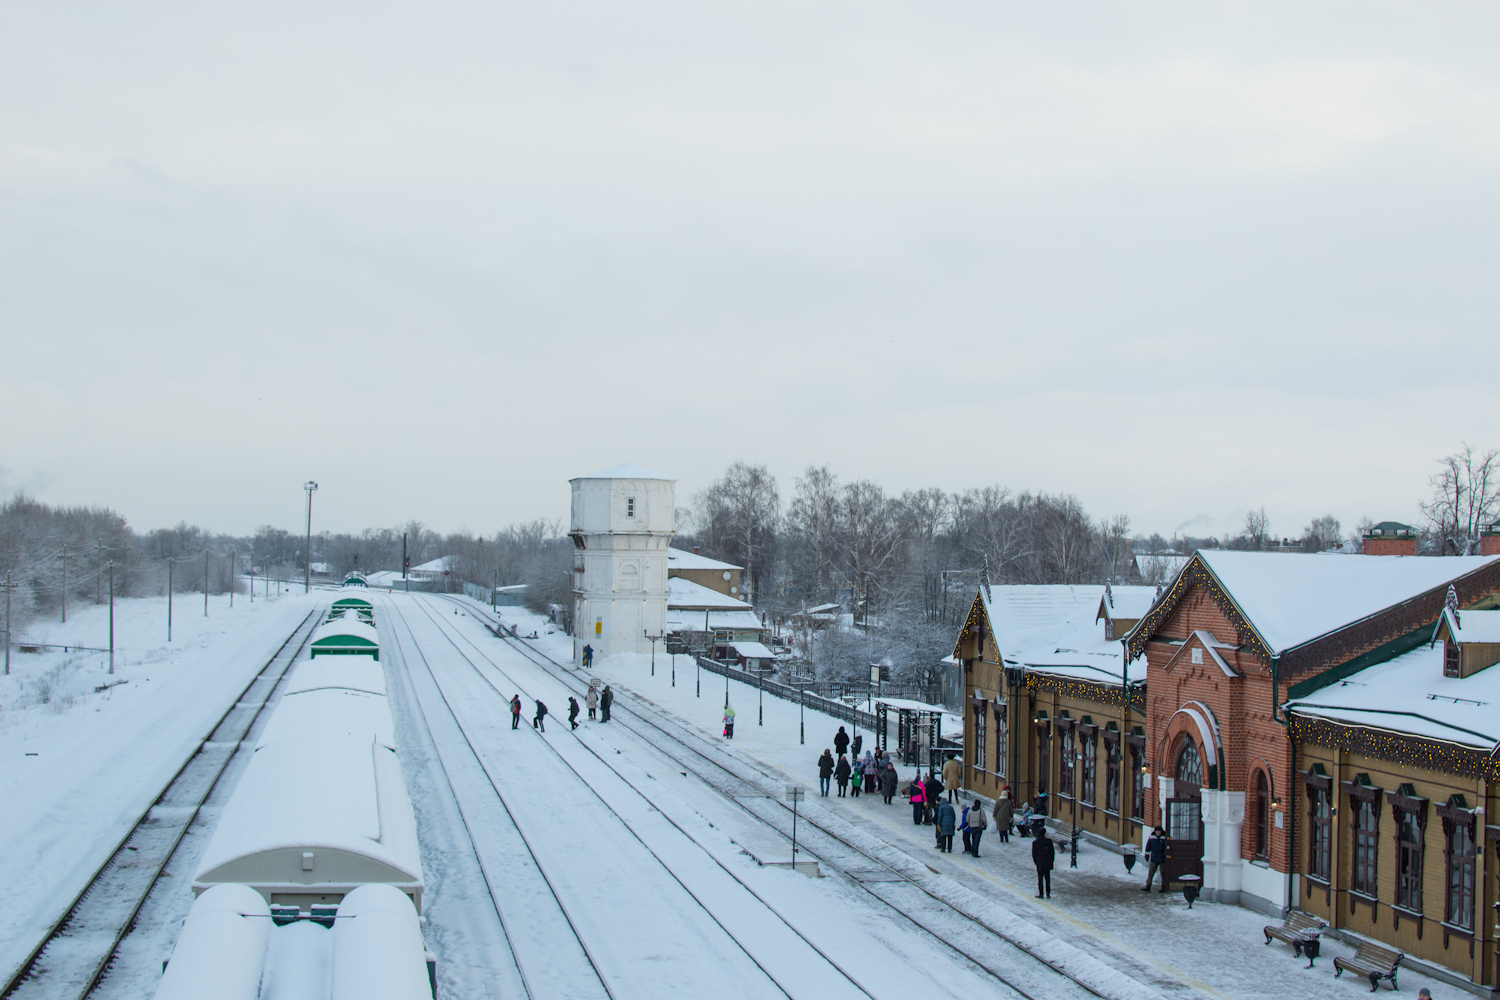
(1373, 961)
(1296, 930)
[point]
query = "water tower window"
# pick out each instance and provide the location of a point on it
(630, 507)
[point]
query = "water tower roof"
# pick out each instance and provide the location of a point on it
(626, 471)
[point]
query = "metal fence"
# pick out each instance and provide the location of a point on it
(829, 706)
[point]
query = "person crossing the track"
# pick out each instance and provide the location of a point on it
(515, 711)
(573, 711)
(538, 721)
(605, 701)
(592, 700)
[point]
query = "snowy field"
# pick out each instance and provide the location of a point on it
(1213, 950)
(83, 753)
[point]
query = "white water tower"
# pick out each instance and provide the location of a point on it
(621, 526)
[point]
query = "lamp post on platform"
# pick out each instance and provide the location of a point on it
(654, 640)
(311, 488)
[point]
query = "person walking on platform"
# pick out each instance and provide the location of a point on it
(1004, 813)
(573, 710)
(841, 775)
(841, 742)
(825, 772)
(1044, 856)
(515, 711)
(592, 701)
(947, 820)
(729, 722)
(953, 775)
(977, 824)
(917, 794)
(588, 656)
(888, 780)
(606, 700)
(541, 714)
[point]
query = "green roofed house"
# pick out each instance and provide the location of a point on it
(345, 636)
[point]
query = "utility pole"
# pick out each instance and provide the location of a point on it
(111, 616)
(653, 639)
(205, 583)
(171, 562)
(99, 548)
(231, 577)
(405, 562)
(8, 585)
(65, 584)
(311, 488)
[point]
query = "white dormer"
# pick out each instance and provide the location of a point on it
(1471, 640)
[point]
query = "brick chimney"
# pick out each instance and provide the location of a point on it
(1489, 540)
(1390, 538)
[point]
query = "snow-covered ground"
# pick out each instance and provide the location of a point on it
(83, 753)
(1213, 951)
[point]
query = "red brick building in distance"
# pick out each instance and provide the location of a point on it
(1235, 637)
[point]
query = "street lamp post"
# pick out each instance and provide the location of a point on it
(654, 639)
(1073, 838)
(311, 488)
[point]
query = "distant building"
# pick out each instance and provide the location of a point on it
(621, 525)
(711, 573)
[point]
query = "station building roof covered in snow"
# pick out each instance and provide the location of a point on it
(685, 595)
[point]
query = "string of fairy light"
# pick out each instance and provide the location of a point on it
(1399, 748)
(1086, 691)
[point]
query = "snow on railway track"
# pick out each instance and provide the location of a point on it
(74, 952)
(977, 928)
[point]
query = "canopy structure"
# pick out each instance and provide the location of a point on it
(342, 637)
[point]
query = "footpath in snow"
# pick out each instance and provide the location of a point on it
(1212, 950)
(83, 753)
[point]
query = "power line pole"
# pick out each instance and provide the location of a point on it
(232, 554)
(170, 563)
(111, 616)
(8, 585)
(205, 583)
(65, 584)
(311, 487)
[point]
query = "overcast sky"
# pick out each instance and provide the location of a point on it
(1178, 259)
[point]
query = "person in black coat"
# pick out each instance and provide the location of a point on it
(888, 781)
(934, 787)
(573, 710)
(541, 714)
(1044, 856)
(841, 742)
(825, 773)
(841, 775)
(1156, 856)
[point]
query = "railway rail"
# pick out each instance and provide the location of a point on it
(74, 952)
(713, 907)
(885, 874)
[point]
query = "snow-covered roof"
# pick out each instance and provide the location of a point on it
(330, 712)
(679, 619)
(384, 578)
(822, 609)
(1024, 615)
(1130, 603)
(1472, 626)
(345, 625)
(1293, 598)
(340, 798)
(625, 471)
(752, 650)
(1409, 694)
(688, 595)
(682, 559)
(351, 673)
(438, 565)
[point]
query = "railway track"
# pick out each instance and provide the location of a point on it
(883, 872)
(75, 951)
(720, 903)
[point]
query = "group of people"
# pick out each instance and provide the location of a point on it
(872, 775)
(594, 699)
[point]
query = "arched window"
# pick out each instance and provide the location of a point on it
(1262, 816)
(1189, 764)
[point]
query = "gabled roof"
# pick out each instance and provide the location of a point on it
(438, 565)
(687, 595)
(1409, 694)
(683, 559)
(1286, 600)
(624, 471)
(1470, 626)
(1050, 629)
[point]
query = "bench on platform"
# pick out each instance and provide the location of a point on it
(1373, 961)
(1296, 930)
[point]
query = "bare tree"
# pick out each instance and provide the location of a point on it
(1465, 500)
(1322, 534)
(1257, 530)
(738, 516)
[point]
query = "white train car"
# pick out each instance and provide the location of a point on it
(345, 635)
(312, 819)
(231, 948)
(330, 711)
